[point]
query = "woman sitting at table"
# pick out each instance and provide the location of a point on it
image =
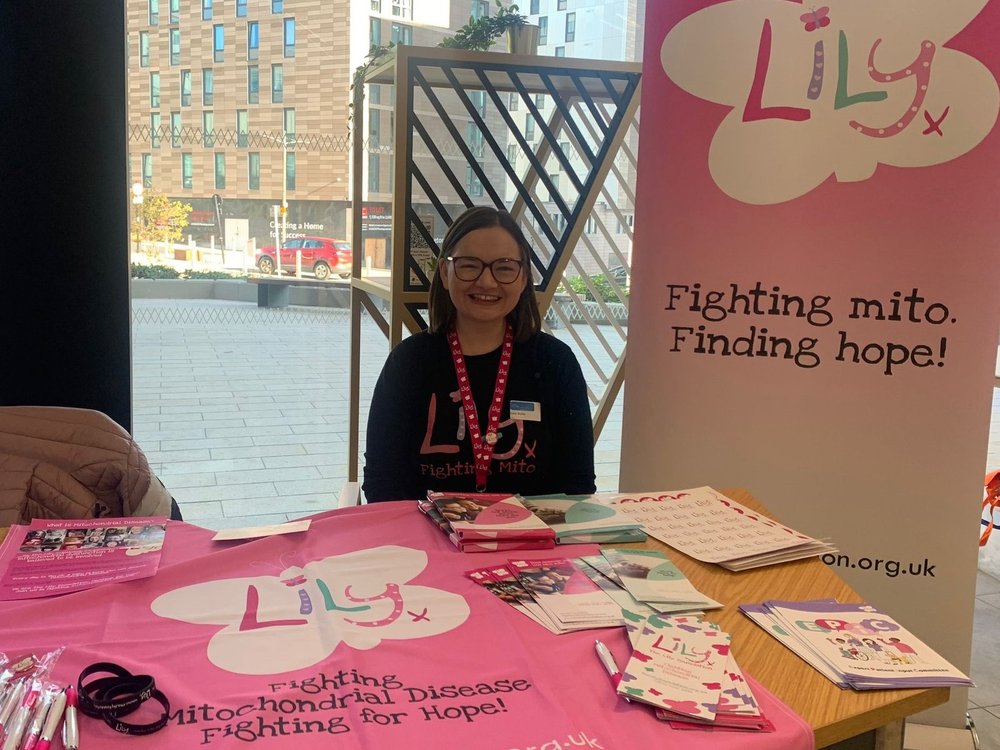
(484, 400)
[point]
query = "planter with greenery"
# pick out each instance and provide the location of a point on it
(482, 33)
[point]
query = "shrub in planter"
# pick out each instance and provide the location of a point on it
(140, 271)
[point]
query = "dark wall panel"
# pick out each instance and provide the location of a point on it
(64, 280)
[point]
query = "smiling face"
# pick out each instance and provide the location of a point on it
(483, 302)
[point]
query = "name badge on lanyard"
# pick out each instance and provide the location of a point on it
(527, 411)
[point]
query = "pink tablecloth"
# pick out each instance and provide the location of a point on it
(360, 633)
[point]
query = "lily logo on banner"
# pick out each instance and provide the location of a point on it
(831, 90)
(278, 623)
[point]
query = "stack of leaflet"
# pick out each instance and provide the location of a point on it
(684, 667)
(855, 645)
(487, 522)
(710, 527)
(653, 579)
(586, 519)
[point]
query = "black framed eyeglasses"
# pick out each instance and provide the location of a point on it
(469, 268)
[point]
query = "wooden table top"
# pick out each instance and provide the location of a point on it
(834, 714)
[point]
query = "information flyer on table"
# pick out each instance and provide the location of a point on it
(52, 557)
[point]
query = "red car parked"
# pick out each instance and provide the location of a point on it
(321, 256)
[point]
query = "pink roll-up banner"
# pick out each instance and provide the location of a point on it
(815, 308)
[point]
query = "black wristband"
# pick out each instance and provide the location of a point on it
(110, 698)
(112, 720)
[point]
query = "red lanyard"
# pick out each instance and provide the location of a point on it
(482, 449)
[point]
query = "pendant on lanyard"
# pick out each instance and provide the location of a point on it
(482, 445)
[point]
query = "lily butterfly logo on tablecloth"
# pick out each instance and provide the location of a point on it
(278, 623)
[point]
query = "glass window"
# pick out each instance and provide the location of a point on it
(154, 12)
(529, 126)
(253, 170)
(570, 27)
(207, 87)
(277, 83)
(187, 172)
(374, 130)
(472, 183)
(513, 101)
(474, 138)
(220, 170)
(561, 5)
(290, 170)
(253, 40)
(374, 32)
(175, 46)
(289, 37)
(219, 42)
(533, 7)
(543, 29)
(400, 34)
(144, 49)
(175, 11)
(154, 129)
(208, 128)
(241, 8)
(206, 10)
(147, 170)
(154, 90)
(480, 8)
(242, 127)
(373, 170)
(185, 88)
(374, 93)
(277, 6)
(540, 101)
(560, 52)
(403, 9)
(377, 6)
(478, 99)
(175, 129)
(288, 122)
(253, 84)
(513, 151)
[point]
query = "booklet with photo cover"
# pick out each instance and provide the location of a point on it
(573, 515)
(566, 593)
(650, 576)
(489, 516)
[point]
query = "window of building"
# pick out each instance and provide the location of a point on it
(374, 32)
(253, 40)
(472, 183)
(147, 170)
(206, 10)
(533, 7)
(529, 126)
(154, 90)
(154, 12)
(591, 226)
(543, 30)
(478, 99)
(480, 8)
(253, 170)
(175, 129)
(540, 101)
(513, 151)
(154, 129)
(277, 83)
(561, 5)
(187, 172)
(289, 37)
(175, 11)
(185, 88)
(241, 8)
(401, 34)
(570, 27)
(376, 6)
(218, 43)
(208, 128)
(373, 173)
(560, 52)
(288, 121)
(403, 9)
(242, 128)
(374, 130)
(475, 140)
(290, 170)
(513, 101)
(253, 84)
(277, 6)
(144, 49)
(554, 179)
(220, 170)
(207, 87)
(175, 46)
(621, 229)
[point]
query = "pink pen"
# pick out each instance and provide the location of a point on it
(52, 721)
(37, 721)
(15, 730)
(71, 732)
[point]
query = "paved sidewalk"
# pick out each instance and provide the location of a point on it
(243, 411)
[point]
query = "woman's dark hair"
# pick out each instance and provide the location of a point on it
(525, 318)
